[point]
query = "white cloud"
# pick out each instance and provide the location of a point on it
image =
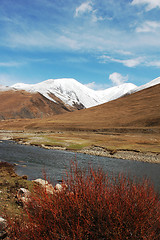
(150, 3)
(96, 18)
(149, 62)
(10, 64)
(117, 78)
(148, 26)
(123, 52)
(128, 62)
(40, 39)
(90, 37)
(83, 8)
(68, 41)
(154, 64)
(96, 86)
(131, 62)
(87, 7)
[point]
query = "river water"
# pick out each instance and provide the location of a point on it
(33, 161)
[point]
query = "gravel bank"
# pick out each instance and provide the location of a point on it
(124, 154)
(95, 150)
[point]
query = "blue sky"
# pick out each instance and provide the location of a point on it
(100, 43)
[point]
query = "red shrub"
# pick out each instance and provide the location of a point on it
(94, 206)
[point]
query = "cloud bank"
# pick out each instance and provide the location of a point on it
(151, 4)
(148, 26)
(127, 62)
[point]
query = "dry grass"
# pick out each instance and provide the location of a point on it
(10, 182)
(138, 110)
(73, 140)
(131, 122)
(22, 104)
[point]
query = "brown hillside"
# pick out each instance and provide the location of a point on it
(139, 110)
(22, 104)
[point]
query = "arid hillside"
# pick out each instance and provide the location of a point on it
(141, 109)
(138, 110)
(22, 104)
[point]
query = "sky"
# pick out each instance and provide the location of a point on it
(100, 43)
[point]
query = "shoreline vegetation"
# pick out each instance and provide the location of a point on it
(89, 205)
(135, 146)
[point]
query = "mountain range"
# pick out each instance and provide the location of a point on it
(56, 96)
(73, 93)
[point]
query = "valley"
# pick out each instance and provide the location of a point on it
(127, 127)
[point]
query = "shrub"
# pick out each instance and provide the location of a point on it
(94, 206)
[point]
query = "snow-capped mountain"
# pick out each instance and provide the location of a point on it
(72, 93)
(57, 96)
(115, 92)
(147, 85)
(69, 90)
(4, 88)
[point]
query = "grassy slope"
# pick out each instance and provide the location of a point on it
(131, 122)
(141, 109)
(10, 182)
(22, 104)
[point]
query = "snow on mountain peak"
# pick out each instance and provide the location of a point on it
(4, 88)
(147, 85)
(150, 84)
(116, 91)
(71, 92)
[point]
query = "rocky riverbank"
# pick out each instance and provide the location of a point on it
(104, 152)
(100, 151)
(136, 155)
(121, 154)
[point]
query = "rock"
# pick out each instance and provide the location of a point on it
(60, 187)
(24, 177)
(49, 188)
(23, 196)
(44, 183)
(3, 226)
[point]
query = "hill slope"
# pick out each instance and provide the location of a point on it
(57, 96)
(22, 104)
(147, 85)
(141, 109)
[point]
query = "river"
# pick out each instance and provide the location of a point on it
(33, 161)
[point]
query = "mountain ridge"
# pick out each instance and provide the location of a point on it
(57, 96)
(147, 85)
(71, 92)
(21, 104)
(138, 110)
